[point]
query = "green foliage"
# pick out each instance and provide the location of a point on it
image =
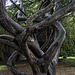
(3, 67)
(2, 31)
(68, 47)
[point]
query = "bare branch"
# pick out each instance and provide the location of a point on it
(55, 46)
(10, 65)
(34, 47)
(18, 8)
(15, 25)
(55, 16)
(32, 42)
(7, 23)
(49, 40)
(46, 7)
(40, 13)
(8, 40)
(32, 59)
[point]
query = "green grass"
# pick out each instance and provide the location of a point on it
(3, 67)
(70, 57)
(67, 57)
(60, 57)
(70, 60)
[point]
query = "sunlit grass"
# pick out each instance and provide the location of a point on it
(60, 57)
(3, 67)
(67, 57)
(70, 57)
(70, 60)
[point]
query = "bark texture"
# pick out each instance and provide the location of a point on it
(39, 42)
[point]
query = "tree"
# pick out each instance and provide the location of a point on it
(68, 48)
(42, 57)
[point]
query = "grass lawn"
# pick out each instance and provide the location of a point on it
(67, 58)
(70, 60)
(3, 67)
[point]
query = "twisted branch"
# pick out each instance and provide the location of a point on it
(7, 23)
(9, 41)
(55, 46)
(10, 65)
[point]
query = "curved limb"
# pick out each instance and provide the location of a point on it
(46, 7)
(55, 16)
(32, 59)
(32, 43)
(8, 37)
(20, 13)
(52, 66)
(26, 36)
(19, 8)
(49, 40)
(7, 23)
(38, 14)
(9, 40)
(34, 46)
(10, 65)
(55, 46)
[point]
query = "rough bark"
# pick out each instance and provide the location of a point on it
(42, 57)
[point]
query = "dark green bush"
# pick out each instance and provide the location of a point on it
(68, 47)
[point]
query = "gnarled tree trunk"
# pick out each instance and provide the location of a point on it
(42, 55)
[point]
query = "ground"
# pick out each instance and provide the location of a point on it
(61, 69)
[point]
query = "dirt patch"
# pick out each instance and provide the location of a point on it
(61, 70)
